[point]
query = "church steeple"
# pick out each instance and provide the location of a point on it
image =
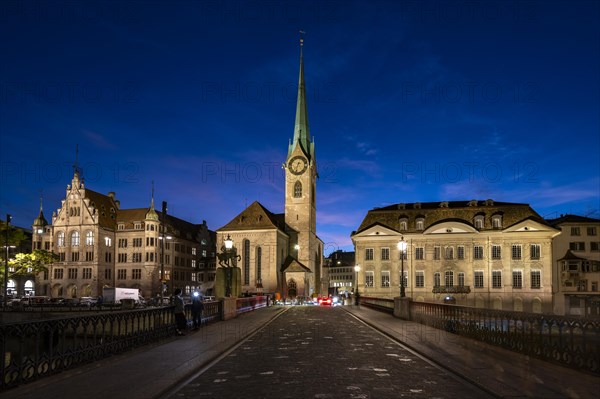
(301, 127)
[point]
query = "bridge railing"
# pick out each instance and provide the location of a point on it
(33, 349)
(570, 341)
(55, 342)
(248, 304)
(381, 304)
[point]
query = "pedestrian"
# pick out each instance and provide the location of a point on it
(197, 308)
(180, 320)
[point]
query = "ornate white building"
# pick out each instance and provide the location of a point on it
(478, 253)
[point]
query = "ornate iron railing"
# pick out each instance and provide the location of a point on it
(572, 342)
(34, 349)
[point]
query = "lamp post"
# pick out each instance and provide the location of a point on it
(402, 249)
(8, 219)
(228, 260)
(163, 227)
(356, 270)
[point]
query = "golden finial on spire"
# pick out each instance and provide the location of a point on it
(302, 37)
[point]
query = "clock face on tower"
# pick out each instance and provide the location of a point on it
(298, 165)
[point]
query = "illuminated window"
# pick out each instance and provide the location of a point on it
(89, 238)
(60, 239)
(75, 238)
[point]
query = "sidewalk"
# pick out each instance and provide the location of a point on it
(499, 371)
(149, 371)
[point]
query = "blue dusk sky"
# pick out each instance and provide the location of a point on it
(408, 101)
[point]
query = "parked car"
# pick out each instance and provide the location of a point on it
(88, 301)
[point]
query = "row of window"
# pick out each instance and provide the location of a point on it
(580, 246)
(121, 274)
(138, 226)
(449, 252)
(591, 231)
(535, 279)
(75, 239)
(478, 222)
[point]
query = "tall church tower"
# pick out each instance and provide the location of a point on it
(300, 192)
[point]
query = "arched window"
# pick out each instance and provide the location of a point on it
(298, 190)
(258, 264)
(74, 238)
(89, 238)
(420, 223)
(246, 262)
(403, 223)
(60, 239)
(479, 221)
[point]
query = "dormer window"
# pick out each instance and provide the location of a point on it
(497, 221)
(420, 224)
(478, 221)
(403, 223)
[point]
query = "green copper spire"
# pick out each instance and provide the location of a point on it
(301, 128)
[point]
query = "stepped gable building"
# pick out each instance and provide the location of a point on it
(576, 254)
(101, 245)
(485, 254)
(281, 253)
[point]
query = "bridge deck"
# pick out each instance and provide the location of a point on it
(152, 371)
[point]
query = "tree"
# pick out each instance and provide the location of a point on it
(33, 263)
(15, 236)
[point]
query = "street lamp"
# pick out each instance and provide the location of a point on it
(402, 249)
(228, 260)
(163, 227)
(356, 270)
(8, 219)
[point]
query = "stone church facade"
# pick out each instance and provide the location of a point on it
(281, 253)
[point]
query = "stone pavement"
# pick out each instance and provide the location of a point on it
(151, 371)
(502, 372)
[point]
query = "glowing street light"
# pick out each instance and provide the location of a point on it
(402, 249)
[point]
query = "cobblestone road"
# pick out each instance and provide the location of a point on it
(321, 352)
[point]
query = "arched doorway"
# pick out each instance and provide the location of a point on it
(29, 288)
(292, 288)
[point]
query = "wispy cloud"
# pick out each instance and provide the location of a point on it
(98, 140)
